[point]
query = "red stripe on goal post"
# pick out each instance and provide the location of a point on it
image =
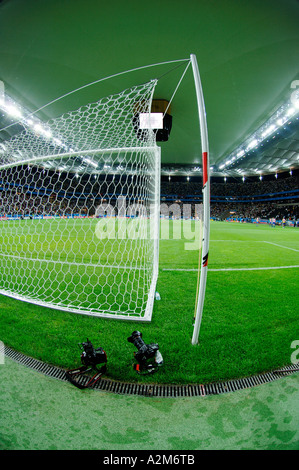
(205, 167)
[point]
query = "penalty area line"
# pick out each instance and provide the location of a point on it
(232, 269)
(281, 246)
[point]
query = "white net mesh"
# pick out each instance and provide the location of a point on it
(79, 209)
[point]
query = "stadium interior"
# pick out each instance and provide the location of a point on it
(58, 56)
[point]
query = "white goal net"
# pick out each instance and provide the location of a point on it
(79, 209)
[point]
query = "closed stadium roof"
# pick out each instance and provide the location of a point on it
(247, 54)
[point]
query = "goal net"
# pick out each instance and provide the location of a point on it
(79, 209)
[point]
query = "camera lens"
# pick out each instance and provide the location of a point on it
(134, 335)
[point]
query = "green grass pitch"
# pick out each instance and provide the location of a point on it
(250, 316)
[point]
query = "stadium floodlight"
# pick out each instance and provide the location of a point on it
(253, 143)
(284, 113)
(281, 121)
(290, 112)
(269, 130)
(13, 111)
(39, 129)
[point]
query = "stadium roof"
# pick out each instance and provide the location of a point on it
(247, 54)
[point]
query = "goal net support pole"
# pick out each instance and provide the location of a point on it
(206, 198)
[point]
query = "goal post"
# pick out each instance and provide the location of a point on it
(206, 199)
(79, 209)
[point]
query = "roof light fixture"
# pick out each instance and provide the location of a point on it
(284, 113)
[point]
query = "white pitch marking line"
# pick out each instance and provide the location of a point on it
(241, 241)
(280, 246)
(233, 269)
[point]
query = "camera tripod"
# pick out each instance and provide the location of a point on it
(73, 375)
(90, 357)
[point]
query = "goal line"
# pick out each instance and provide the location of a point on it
(232, 269)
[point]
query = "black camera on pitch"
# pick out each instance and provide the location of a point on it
(145, 353)
(91, 356)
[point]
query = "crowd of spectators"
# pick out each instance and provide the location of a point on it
(254, 188)
(42, 200)
(263, 199)
(24, 203)
(264, 211)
